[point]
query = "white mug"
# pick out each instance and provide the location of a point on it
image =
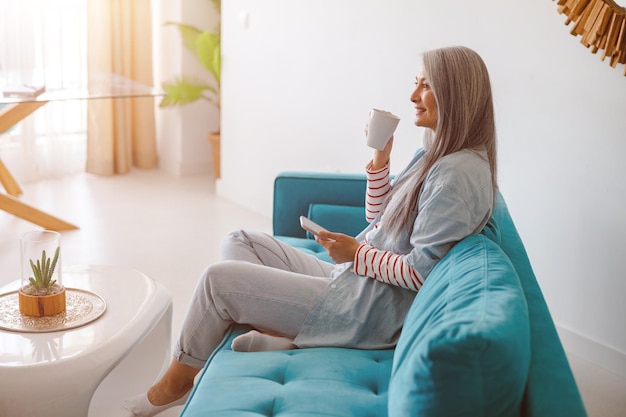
(380, 128)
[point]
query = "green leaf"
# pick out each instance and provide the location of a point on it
(206, 47)
(208, 52)
(36, 271)
(188, 33)
(42, 267)
(184, 91)
(43, 270)
(54, 261)
(45, 274)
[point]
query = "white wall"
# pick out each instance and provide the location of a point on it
(299, 78)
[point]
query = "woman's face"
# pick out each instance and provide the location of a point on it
(425, 103)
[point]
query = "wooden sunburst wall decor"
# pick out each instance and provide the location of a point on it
(602, 25)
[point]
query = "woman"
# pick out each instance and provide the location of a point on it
(295, 300)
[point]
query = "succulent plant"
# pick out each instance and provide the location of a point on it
(43, 271)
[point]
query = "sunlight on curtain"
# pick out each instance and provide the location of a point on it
(121, 132)
(47, 37)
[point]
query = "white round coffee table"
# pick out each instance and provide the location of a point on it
(57, 373)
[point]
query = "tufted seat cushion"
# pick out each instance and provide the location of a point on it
(320, 382)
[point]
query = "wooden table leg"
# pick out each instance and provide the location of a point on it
(8, 182)
(10, 115)
(12, 205)
(13, 113)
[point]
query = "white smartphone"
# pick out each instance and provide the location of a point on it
(310, 225)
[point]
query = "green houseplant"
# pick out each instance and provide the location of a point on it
(206, 47)
(42, 295)
(42, 282)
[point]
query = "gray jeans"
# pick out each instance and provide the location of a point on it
(261, 282)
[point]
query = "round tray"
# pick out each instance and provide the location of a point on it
(82, 308)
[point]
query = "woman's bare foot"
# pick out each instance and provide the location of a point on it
(176, 382)
(171, 390)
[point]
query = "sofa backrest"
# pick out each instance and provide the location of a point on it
(316, 194)
(551, 389)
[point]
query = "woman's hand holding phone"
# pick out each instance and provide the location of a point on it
(341, 248)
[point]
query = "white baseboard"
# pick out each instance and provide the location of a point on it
(608, 358)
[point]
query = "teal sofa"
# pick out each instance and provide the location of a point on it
(478, 340)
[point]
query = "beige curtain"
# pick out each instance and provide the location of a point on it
(120, 132)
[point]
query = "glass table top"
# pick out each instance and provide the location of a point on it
(96, 86)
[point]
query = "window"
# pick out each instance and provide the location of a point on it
(45, 39)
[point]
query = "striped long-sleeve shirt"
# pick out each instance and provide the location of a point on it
(382, 265)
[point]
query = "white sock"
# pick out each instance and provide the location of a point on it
(255, 341)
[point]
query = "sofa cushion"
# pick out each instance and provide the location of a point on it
(295, 191)
(349, 220)
(316, 382)
(465, 346)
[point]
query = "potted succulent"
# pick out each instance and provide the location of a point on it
(206, 47)
(42, 292)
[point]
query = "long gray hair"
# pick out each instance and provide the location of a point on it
(460, 83)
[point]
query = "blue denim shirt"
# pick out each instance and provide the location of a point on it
(456, 200)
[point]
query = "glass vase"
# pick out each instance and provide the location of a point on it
(41, 291)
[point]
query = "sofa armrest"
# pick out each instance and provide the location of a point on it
(295, 192)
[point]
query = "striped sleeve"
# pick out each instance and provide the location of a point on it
(386, 267)
(378, 187)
